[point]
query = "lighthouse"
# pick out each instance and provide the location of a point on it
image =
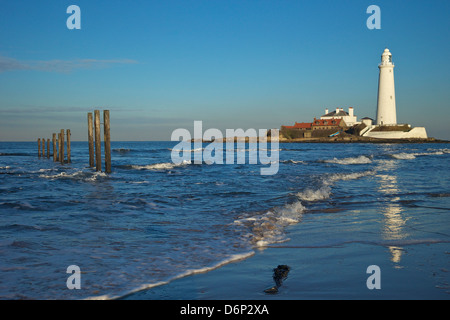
(386, 113)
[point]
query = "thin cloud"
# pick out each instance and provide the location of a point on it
(10, 64)
(59, 66)
(63, 109)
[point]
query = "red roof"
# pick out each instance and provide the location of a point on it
(302, 125)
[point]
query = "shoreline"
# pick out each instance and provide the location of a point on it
(324, 140)
(333, 271)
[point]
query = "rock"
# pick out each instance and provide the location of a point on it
(271, 290)
(280, 274)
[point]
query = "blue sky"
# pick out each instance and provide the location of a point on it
(160, 65)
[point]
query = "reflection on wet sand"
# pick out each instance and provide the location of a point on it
(394, 222)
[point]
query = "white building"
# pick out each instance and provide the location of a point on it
(386, 124)
(348, 117)
(386, 113)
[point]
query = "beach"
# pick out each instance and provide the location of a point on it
(415, 270)
(158, 230)
(224, 154)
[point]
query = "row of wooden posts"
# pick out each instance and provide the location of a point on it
(94, 141)
(58, 147)
(94, 136)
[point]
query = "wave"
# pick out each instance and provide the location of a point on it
(349, 176)
(387, 243)
(324, 190)
(160, 166)
(445, 150)
(190, 272)
(352, 160)
(403, 156)
(413, 155)
(78, 175)
(268, 228)
(293, 161)
(322, 193)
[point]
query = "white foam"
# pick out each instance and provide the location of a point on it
(78, 175)
(160, 166)
(268, 227)
(324, 191)
(313, 195)
(403, 156)
(349, 176)
(230, 259)
(435, 153)
(413, 155)
(352, 160)
(293, 161)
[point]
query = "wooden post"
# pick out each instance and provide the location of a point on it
(107, 139)
(43, 147)
(61, 149)
(68, 146)
(48, 148)
(98, 150)
(39, 147)
(55, 152)
(90, 140)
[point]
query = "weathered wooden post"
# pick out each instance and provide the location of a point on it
(61, 148)
(98, 151)
(39, 147)
(48, 148)
(68, 146)
(43, 147)
(90, 140)
(107, 138)
(55, 152)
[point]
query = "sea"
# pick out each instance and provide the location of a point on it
(151, 221)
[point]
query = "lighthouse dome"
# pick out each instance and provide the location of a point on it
(386, 57)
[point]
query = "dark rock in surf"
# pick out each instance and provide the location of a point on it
(280, 274)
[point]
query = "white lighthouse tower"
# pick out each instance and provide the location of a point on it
(386, 113)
